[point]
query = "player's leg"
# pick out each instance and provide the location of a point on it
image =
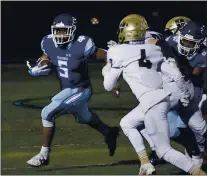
(192, 116)
(85, 116)
(157, 127)
(57, 107)
(198, 92)
(129, 125)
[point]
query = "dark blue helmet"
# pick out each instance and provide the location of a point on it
(63, 28)
(191, 37)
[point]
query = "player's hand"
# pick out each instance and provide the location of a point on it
(111, 43)
(115, 92)
(185, 99)
(38, 70)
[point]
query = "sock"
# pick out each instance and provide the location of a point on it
(143, 157)
(45, 151)
(98, 125)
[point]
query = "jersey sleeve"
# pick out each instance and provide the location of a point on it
(172, 40)
(44, 45)
(201, 60)
(114, 69)
(89, 48)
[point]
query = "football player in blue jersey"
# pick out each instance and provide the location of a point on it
(69, 55)
(186, 40)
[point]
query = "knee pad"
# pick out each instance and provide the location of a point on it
(161, 151)
(44, 113)
(124, 127)
(47, 124)
(45, 118)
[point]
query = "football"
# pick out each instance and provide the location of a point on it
(44, 62)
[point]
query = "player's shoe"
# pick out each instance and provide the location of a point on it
(38, 160)
(155, 160)
(197, 160)
(111, 139)
(199, 172)
(147, 169)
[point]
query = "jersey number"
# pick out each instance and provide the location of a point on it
(63, 65)
(143, 62)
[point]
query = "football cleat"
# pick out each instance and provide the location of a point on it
(111, 138)
(38, 160)
(147, 169)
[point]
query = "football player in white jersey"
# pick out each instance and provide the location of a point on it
(137, 63)
(178, 129)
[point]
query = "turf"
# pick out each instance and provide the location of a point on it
(77, 149)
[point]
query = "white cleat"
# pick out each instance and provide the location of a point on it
(38, 160)
(147, 169)
(197, 160)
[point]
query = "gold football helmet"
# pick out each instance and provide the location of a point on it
(174, 24)
(132, 28)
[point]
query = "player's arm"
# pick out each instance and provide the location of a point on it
(198, 71)
(43, 65)
(100, 54)
(111, 76)
(92, 51)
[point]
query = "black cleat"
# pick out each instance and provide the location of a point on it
(111, 139)
(155, 160)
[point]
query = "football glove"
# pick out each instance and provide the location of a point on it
(38, 69)
(111, 43)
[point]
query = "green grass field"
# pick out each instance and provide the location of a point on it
(77, 149)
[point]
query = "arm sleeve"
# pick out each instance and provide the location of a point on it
(111, 78)
(43, 46)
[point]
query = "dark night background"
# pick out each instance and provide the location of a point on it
(25, 23)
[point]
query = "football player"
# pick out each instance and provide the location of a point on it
(191, 55)
(138, 61)
(178, 129)
(174, 25)
(69, 55)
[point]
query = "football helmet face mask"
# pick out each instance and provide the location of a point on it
(63, 28)
(175, 24)
(132, 28)
(190, 38)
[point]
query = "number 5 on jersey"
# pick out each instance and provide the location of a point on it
(63, 67)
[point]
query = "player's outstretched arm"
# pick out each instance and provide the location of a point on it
(43, 66)
(101, 54)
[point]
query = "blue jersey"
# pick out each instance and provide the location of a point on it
(186, 65)
(70, 62)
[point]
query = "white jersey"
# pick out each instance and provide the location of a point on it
(146, 84)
